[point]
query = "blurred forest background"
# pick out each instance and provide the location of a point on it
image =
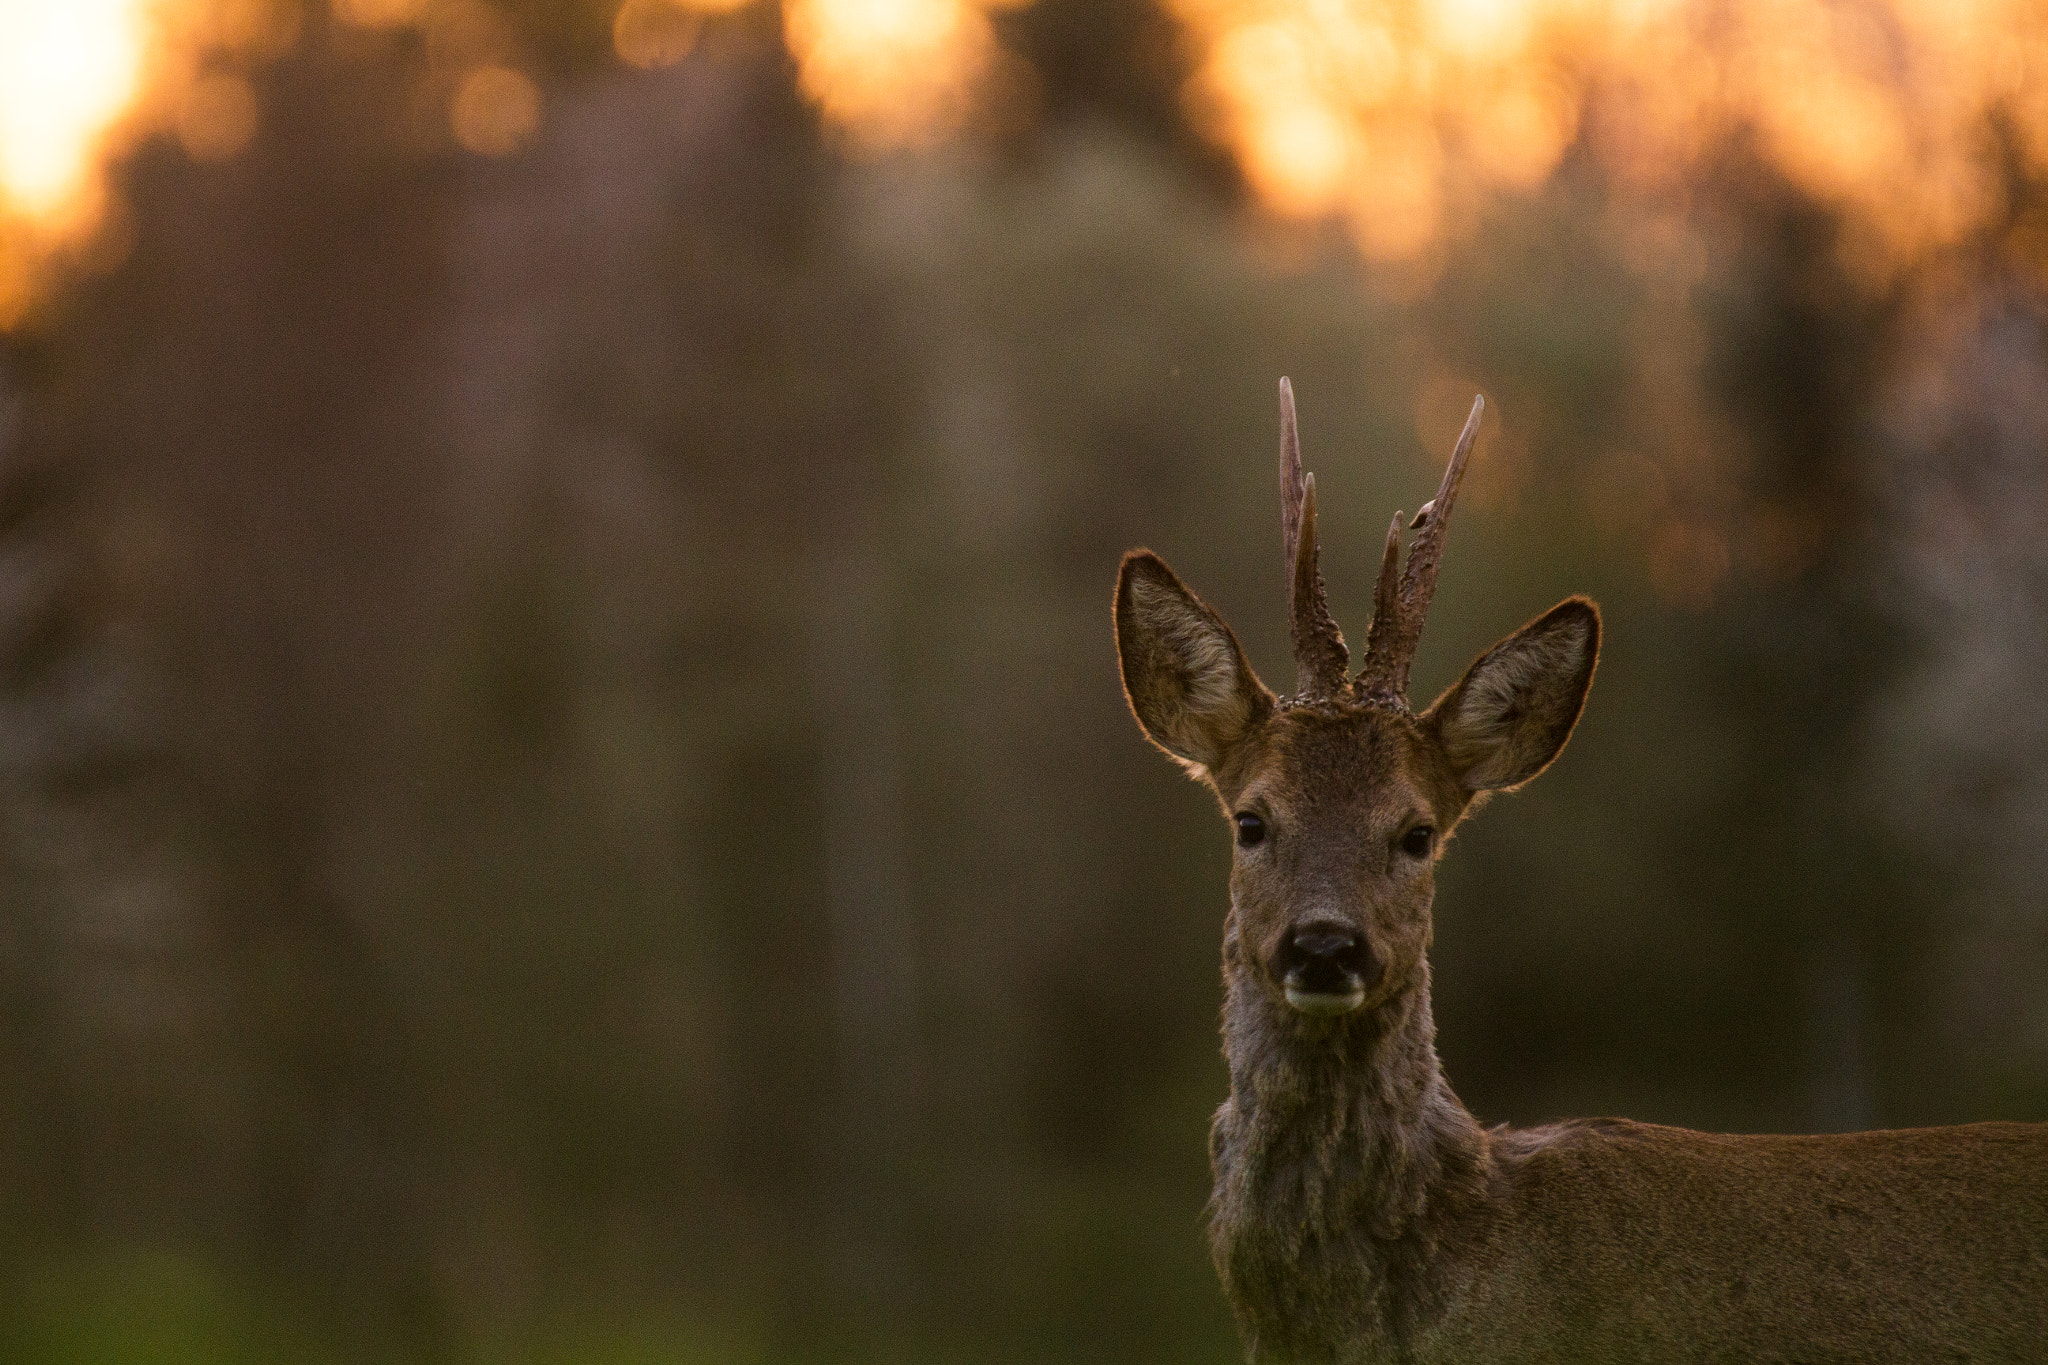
(563, 790)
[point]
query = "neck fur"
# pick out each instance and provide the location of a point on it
(1339, 1154)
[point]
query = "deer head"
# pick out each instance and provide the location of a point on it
(1340, 797)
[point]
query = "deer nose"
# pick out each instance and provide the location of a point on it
(1324, 963)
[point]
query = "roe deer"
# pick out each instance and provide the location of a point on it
(1360, 1212)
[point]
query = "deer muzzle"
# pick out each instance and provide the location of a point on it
(1325, 968)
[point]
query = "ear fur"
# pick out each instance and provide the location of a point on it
(1510, 715)
(1184, 674)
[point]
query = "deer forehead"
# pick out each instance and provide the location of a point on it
(1347, 762)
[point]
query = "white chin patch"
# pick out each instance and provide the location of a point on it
(1309, 1002)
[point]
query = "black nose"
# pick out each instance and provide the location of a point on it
(1323, 958)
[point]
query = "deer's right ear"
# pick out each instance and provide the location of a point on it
(1184, 675)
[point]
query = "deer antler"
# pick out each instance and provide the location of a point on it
(1399, 611)
(1321, 662)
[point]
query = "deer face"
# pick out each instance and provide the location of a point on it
(1336, 814)
(1339, 801)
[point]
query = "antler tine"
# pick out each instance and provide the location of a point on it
(1321, 662)
(1390, 651)
(1290, 481)
(1418, 580)
(1372, 682)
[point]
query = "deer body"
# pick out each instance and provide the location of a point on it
(1360, 1213)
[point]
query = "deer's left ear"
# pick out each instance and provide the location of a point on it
(1510, 715)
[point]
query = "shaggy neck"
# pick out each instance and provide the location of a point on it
(1341, 1152)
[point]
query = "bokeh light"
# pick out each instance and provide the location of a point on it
(217, 116)
(496, 110)
(380, 13)
(893, 72)
(81, 81)
(1385, 112)
(1392, 117)
(66, 72)
(652, 33)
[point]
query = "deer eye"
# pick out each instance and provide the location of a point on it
(1416, 842)
(1250, 829)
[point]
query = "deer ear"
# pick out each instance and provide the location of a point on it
(1511, 713)
(1184, 675)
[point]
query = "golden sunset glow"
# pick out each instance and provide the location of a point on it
(1394, 118)
(893, 73)
(1392, 114)
(82, 79)
(1382, 114)
(67, 71)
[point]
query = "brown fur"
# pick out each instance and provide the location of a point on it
(1360, 1212)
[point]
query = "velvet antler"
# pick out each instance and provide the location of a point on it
(1321, 662)
(1400, 609)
